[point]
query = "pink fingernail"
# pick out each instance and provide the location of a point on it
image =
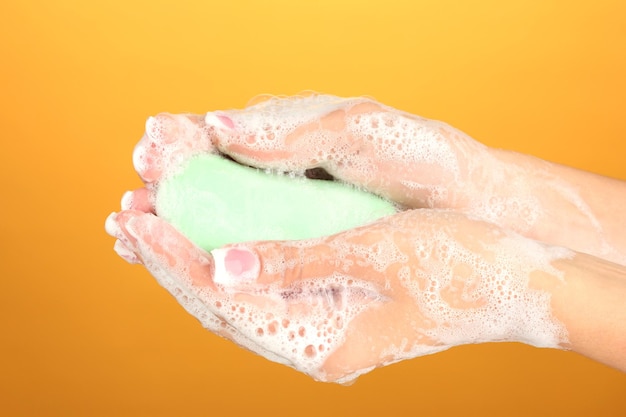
(130, 229)
(139, 158)
(127, 200)
(162, 128)
(235, 265)
(111, 226)
(153, 128)
(219, 120)
(122, 250)
(150, 124)
(227, 121)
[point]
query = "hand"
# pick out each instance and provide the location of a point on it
(421, 163)
(411, 284)
(408, 285)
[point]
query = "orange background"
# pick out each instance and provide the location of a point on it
(85, 334)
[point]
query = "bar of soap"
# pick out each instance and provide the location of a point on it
(214, 201)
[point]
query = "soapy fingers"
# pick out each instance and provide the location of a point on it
(407, 159)
(180, 267)
(170, 140)
(288, 317)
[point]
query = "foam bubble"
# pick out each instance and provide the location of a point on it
(301, 324)
(474, 298)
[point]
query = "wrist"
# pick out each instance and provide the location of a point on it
(529, 276)
(589, 301)
(551, 203)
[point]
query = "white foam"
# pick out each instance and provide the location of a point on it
(362, 142)
(491, 299)
(300, 324)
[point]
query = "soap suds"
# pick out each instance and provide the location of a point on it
(465, 291)
(355, 140)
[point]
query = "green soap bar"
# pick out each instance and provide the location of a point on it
(214, 201)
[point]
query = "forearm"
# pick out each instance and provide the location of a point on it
(557, 204)
(590, 302)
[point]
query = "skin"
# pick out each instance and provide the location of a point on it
(479, 212)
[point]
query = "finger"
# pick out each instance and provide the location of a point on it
(125, 253)
(181, 268)
(286, 134)
(139, 200)
(162, 248)
(289, 264)
(407, 159)
(168, 141)
(186, 272)
(120, 247)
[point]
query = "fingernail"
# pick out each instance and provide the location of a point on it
(130, 228)
(127, 200)
(153, 130)
(235, 265)
(111, 226)
(150, 123)
(122, 250)
(139, 157)
(163, 128)
(219, 120)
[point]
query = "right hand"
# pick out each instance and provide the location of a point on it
(421, 163)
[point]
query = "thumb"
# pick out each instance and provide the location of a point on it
(285, 134)
(334, 268)
(308, 298)
(278, 263)
(405, 158)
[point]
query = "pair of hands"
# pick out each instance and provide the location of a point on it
(449, 268)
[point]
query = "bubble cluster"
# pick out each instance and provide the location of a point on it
(267, 125)
(399, 156)
(479, 291)
(400, 139)
(379, 255)
(300, 324)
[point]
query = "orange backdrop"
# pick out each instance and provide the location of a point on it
(85, 334)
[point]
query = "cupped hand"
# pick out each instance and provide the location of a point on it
(335, 307)
(410, 160)
(411, 284)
